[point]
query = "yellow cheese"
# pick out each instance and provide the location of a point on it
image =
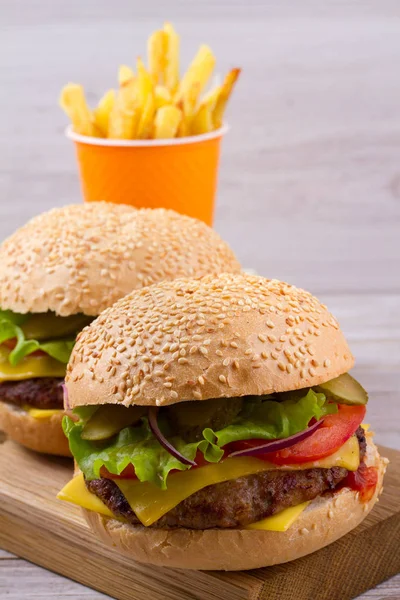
(42, 413)
(348, 457)
(150, 503)
(281, 521)
(76, 492)
(29, 367)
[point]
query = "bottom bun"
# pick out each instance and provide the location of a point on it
(325, 520)
(42, 435)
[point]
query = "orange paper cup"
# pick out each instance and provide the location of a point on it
(179, 173)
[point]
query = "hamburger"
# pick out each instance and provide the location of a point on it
(60, 271)
(217, 425)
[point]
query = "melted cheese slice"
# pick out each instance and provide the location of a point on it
(150, 503)
(281, 521)
(42, 413)
(76, 492)
(29, 367)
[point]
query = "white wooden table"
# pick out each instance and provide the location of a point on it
(310, 179)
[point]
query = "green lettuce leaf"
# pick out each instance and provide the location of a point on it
(10, 329)
(260, 419)
(133, 446)
(58, 349)
(271, 420)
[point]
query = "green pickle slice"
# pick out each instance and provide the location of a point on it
(345, 389)
(110, 419)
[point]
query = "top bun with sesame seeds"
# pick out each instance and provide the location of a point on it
(213, 337)
(82, 258)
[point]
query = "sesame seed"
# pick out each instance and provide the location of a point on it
(330, 514)
(203, 350)
(226, 362)
(236, 364)
(222, 378)
(219, 352)
(182, 361)
(281, 366)
(201, 380)
(233, 345)
(327, 362)
(261, 338)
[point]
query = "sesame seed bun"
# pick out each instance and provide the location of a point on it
(325, 520)
(41, 435)
(84, 257)
(225, 336)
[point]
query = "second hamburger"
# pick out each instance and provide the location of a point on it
(61, 270)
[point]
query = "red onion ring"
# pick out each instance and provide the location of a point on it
(153, 411)
(276, 445)
(65, 395)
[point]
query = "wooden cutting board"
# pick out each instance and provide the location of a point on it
(50, 533)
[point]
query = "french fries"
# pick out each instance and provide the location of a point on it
(198, 73)
(202, 121)
(162, 96)
(171, 73)
(156, 47)
(146, 118)
(73, 102)
(167, 122)
(223, 97)
(125, 73)
(144, 84)
(154, 102)
(101, 114)
(125, 114)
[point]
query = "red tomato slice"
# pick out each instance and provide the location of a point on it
(334, 432)
(10, 344)
(363, 480)
(127, 473)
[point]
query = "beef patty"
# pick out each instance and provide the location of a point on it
(43, 392)
(234, 503)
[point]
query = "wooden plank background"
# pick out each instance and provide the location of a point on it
(310, 178)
